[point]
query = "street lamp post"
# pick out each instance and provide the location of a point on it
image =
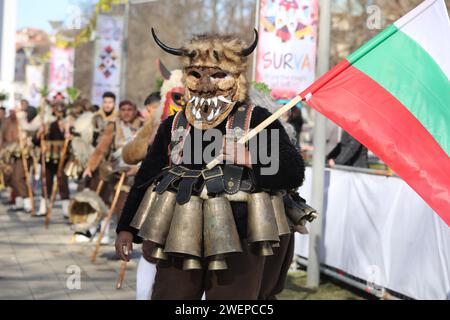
(323, 64)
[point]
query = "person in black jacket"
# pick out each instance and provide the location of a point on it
(348, 152)
(217, 95)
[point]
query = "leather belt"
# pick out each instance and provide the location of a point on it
(172, 175)
(189, 179)
(213, 180)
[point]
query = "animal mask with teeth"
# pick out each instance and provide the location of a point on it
(214, 76)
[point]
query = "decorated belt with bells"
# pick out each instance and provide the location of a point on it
(207, 182)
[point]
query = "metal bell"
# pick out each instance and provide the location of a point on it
(280, 215)
(192, 264)
(266, 249)
(186, 230)
(218, 263)
(301, 228)
(301, 213)
(157, 224)
(262, 225)
(144, 208)
(220, 234)
(158, 253)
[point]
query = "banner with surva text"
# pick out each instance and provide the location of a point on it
(286, 55)
(108, 56)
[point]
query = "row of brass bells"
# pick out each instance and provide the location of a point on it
(262, 225)
(185, 235)
(220, 232)
(159, 209)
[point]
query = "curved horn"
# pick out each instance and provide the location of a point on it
(174, 51)
(248, 51)
(163, 70)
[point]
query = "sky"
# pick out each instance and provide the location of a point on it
(37, 13)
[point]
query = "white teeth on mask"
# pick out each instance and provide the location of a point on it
(196, 101)
(192, 100)
(209, 102)
(223, 99)
(194, 111)
(202, 101)
(198, 115)
(215, 101)
(217, 113)
(211, 115)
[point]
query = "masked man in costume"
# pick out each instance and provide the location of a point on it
(212, 228)
(110, 145)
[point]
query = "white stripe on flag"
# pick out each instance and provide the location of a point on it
(429, 25)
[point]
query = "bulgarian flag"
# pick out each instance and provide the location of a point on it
(393, 95)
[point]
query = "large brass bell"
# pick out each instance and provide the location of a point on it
(144, 208)
(220, 235)
(156, 226)
(185, 235)
(262, 225)
(301, 213)
(280, 215)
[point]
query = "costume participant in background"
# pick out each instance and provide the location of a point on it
(115, 136)
(209, 232)
(79, 125)
(22, 121)
(11, 154)
(171, 101)
(135, 151)
(54, 136)
(100, 120)
(172, 91)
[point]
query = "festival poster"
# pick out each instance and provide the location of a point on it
(286, 56)
(108, 56)
(61, 70)
(35, 81)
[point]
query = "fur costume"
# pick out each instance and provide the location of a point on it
(171, 91)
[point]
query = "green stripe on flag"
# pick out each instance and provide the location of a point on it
(401, 66)
(372, 43)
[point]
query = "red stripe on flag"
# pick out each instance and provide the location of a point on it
(383, 124)
(327, 77)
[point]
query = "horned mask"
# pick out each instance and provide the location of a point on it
(214, 70)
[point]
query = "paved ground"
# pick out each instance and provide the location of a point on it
(36, 263)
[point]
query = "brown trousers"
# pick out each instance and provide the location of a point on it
(276, 268)
(51, 169)
(16, 180)
(241, 281)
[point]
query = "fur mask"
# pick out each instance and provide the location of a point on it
(172, 91)
(214, 70)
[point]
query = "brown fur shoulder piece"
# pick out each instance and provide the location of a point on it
(135, 151)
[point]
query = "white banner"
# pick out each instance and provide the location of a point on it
(379, 230)
(286, 56)
(61, 70)
(108, 57)
(35, 81)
